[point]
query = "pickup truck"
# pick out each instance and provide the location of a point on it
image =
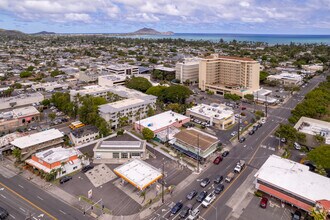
(193, 214)
(230, 177)
(239, 166)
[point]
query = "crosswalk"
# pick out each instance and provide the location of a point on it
(5, 172)
(269, 148)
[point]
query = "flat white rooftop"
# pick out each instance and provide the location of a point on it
(56, 154)
(25, 111)
(215, 111)
(295, 178)
(161, 120)
(287, 76)
(37, 138)
(138, 173)
(314, 127)
(121, 66)
(120, 105)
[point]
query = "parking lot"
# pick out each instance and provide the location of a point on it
(124, 204)
(274, 210)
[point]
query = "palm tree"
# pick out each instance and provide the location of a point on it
(17, 154)
(143, 194)
(318, 214)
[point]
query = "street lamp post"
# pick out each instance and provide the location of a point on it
(197, 153)
(216, 212)
(163, 181)
(266, 105)
(239, 120)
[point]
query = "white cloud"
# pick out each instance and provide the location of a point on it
(275, 12)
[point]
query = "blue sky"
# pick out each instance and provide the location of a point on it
(180, 16)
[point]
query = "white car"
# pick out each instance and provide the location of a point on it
(208, 200)
(233, 133)
(263, 121)
(297, 146)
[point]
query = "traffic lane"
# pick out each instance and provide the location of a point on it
(246, 148)
(17, 207)
(42, 200)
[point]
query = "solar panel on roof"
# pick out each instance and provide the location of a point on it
(48, 153)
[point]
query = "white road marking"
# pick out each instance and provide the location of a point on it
(40, 198)
(62, 212)
(12, 216)
(21, 209)
(21, 186)
(3, 196)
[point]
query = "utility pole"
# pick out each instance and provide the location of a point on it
(163, 182)
(266, 104)
(197, 153)
(239, 120)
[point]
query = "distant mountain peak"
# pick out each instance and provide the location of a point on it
(150, 31)
(44, 33)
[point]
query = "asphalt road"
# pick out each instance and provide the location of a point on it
(23, 195)
(255, 151)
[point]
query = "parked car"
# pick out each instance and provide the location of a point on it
(243, 108)
(251, 132)
(208, 200)
(219, 188)
(205, 182)
(218, 179)
(225, 153)
(297, 146)
(185, 211)
(175, 209)
(87, 168)
(65, 179)
(296, 215)
(241, 140)
(201, 196)
(191, 195)
(255, 128)
(217, 160)
(283, 140)
(263, 202)
(263, 121)
(194, 214)
(3, 213)
(259, 125)
(234, 133)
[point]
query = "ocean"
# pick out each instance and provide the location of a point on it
(271, 39)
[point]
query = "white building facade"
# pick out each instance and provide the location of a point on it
(188, 70)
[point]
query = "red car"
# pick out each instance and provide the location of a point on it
(263, 202)
(217, 160)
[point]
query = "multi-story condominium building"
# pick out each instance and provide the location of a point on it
(20, 117)
(128, 110)
(83, 134)
(225, 74)
(187, 70)
(51, 86)
(110, 80)
(122, 69)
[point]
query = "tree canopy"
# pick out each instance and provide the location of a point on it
(233, 97)
(320, 156)
(147, 134)
(176, 94)
(138, 83)
(290, 134)
(263, 76)
(156, 90)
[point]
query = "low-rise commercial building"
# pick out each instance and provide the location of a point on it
(118, 152)
(312, 127)
(292, 183)
(51, 86)
(188, 70)
(313, 68)
(33, 143)
(263, 96)
(161, 122)
(218, 115)
(83, 135)
(90, 76)
(122, 69)
(17, 118)
(61, 160)
(110, 80)
(138, 173)
(20, 100)
(195, 144)
(287, 79)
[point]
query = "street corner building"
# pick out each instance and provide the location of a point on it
(195, 144)
(138, 173)
(292, 183)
